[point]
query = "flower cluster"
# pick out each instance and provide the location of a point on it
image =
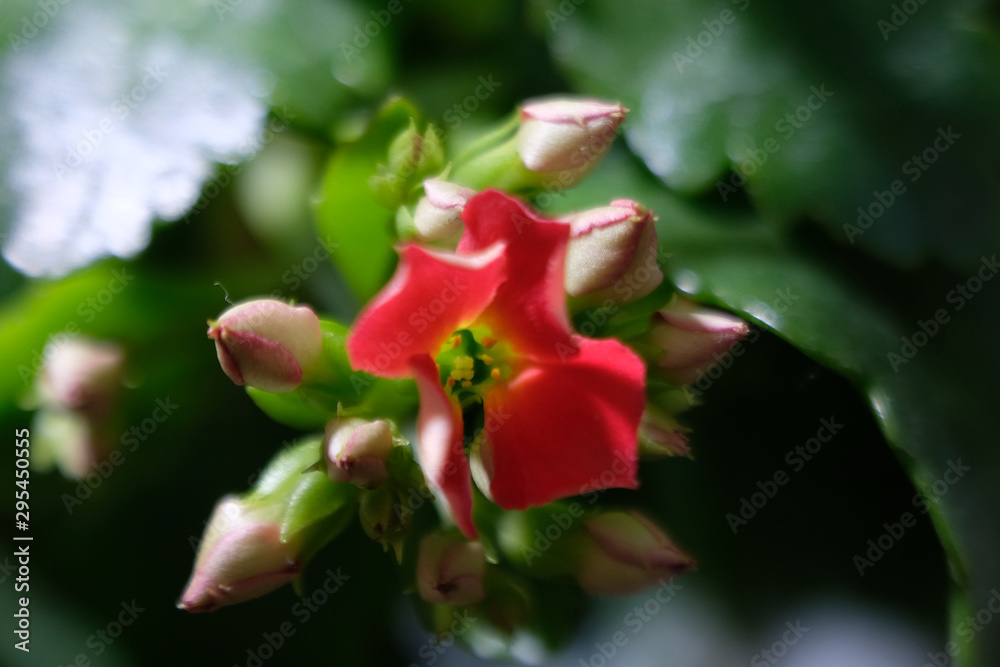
(473, 340)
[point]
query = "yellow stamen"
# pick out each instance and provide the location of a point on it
(466, 384)
(487, 359)
(488, 341)
(495, 373)
(462, 368)
(451, 382)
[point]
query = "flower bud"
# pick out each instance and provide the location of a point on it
(81, 375)
(384, 520)
(267, 343)
(660, 435)
(76, 391)
(439, 211)
(450, 570)
(567, 135)
(627, 553)
(612, 247)
(241, 557)
(692, 337)
(356, 450)
(412, 157)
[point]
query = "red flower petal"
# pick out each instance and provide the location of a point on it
(563, 429)
(430, 296)
(529, 310)
(439, 444)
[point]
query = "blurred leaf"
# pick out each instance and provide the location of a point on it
(934, 406)
(106, 136)
(751, 86)
(348, 214)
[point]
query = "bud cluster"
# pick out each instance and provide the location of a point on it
(497, 554)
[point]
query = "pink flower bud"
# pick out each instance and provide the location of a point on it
(439, 211)
(692, 337)
(77, 390)
(267, 343)
(627, 553)
(450, 570)
(81, 375)
(356, 451)
(660, 435)
(567, 135)
(613, 247)
(241, 557)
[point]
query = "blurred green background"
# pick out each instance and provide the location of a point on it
(828, 171)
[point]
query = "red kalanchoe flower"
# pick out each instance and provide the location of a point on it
(489, 325)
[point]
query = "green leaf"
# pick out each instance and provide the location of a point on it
(934, 406)
(314, 499)
(282, 471)
(899, 123)
(359, 227)
(290, 409)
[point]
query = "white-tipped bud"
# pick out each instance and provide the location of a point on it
(450, 570)
(81, 375)
(439, 212)
(77, 390)
(626, 553)
(661, 435)
(357, 450)
(266, 343)
(241, 557)
(692, 337)
(613, 250)
(567, 135)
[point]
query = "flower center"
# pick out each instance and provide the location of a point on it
(470, 361)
